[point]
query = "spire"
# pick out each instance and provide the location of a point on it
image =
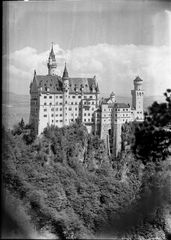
(34, 72)
(52, 54)
(51, 62)
(65, 73)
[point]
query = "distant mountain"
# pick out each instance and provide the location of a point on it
(16, 106)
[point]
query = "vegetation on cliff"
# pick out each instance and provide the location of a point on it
(64, 183)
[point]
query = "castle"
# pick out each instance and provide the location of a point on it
(60, 101)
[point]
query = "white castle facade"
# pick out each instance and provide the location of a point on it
(60, 101)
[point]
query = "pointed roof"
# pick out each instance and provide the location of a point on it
(52, 54)
(138, 79)
(65, 73)
(112, 94)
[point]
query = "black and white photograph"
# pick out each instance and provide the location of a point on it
(86, 119)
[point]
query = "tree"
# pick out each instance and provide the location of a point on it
(153, 136)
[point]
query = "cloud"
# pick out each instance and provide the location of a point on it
(115, 67)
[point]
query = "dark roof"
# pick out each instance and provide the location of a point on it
(87, 84)
(138, 79)
(55, 83)
(65, 73)
(121, 105)
(112, 94)
(52, 55)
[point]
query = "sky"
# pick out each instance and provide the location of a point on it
(116, 40)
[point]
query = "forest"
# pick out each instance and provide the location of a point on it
(64, 185)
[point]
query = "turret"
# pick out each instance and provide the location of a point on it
(138, 83)
(65, 79)
(137, 99)
(52, 65)
(112, 97)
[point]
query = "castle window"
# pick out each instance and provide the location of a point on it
(91, 97)
(88, 114)
(60, 115)
(45, 103)
(56, 120)
(52, 109)
(56, 96)
(70, 109)
(60, 103)
(45, 96)
(56, 115)
(79, 96)
(76, 109)
(84, 114)
(50, 96)
(123, 109)
(50, 103)
(45, 110)
(60, 109)
(89, 120)
(52, 121)
(85, 97)
(56, 103)
(84, 120)
(73, 96)
(92, 109)
(65, 102)
(56, 109)
(60, 96)
(45, 115)
(52, 115)
(60, 120)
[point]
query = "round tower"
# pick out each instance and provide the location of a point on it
(137, 99)
(112, 97)
(52, 65)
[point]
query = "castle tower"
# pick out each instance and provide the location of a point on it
(65, 79)
(52, 65)
(112, 97)
(137, 99)
(97, 93)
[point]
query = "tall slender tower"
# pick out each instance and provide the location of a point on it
(137, 99)
(65, 79)
(52, 65)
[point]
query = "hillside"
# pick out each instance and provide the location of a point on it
(17, 106)
(64, 185)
